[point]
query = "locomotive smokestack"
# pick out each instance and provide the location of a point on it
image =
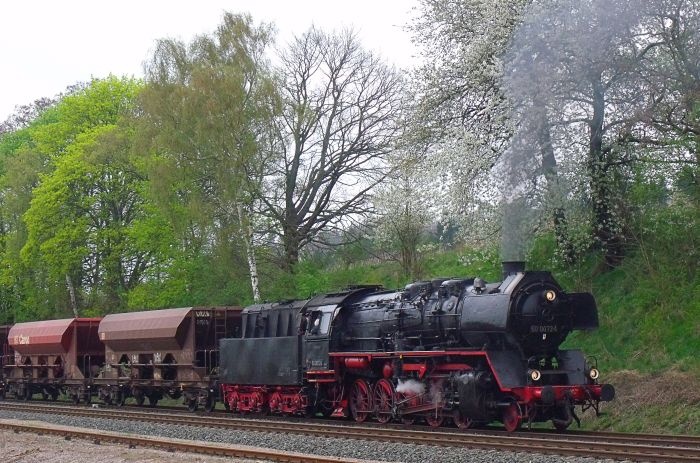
(512, 267)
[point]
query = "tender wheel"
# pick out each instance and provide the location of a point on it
(383, 400)
(461, 421)
(360, 400)
(511, 417)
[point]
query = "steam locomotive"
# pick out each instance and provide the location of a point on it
(458, 349)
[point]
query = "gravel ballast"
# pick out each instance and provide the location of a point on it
(369, 450)
(34, 448)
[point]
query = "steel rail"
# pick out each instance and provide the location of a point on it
(174, 445)
(611, 436)
(548, 443)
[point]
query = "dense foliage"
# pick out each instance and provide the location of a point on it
(234, 171)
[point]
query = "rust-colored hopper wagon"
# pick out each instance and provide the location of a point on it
(53, 357)
(7, 357)
(170, 352)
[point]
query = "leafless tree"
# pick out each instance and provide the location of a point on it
(25, 114)
(341, 107)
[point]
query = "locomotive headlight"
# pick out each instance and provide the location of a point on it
(593, 373)
(535, 375)
(550, 295)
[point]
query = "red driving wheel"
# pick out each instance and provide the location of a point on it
(383, 400)
(461, 421)
(434, 418)
(511, 417)
(360, 400)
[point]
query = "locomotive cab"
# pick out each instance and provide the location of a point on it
(317, 336)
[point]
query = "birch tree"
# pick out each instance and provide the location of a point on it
(209, 104)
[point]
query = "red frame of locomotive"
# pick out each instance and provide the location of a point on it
(292, 400)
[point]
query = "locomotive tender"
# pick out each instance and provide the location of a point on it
(458, 349)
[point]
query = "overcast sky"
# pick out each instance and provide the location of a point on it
(49, 45)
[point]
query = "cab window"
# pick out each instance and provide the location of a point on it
(319, 323)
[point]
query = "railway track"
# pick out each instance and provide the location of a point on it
(172, 445)
(621, 446)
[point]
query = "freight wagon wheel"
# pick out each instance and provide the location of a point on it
(360, 400)
(210, 405)
(28, 393)
(511, 417)
(192, 405)
(461, 421)
(152, 400)
(140, 399)
(383, 400)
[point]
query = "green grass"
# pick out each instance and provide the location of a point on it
(663, 402)
(674, 418)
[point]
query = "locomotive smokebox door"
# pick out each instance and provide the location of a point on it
(317, 337)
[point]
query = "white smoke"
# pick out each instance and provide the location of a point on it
(410, 387)
(436, 393)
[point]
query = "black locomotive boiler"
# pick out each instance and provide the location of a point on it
(458, 349)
